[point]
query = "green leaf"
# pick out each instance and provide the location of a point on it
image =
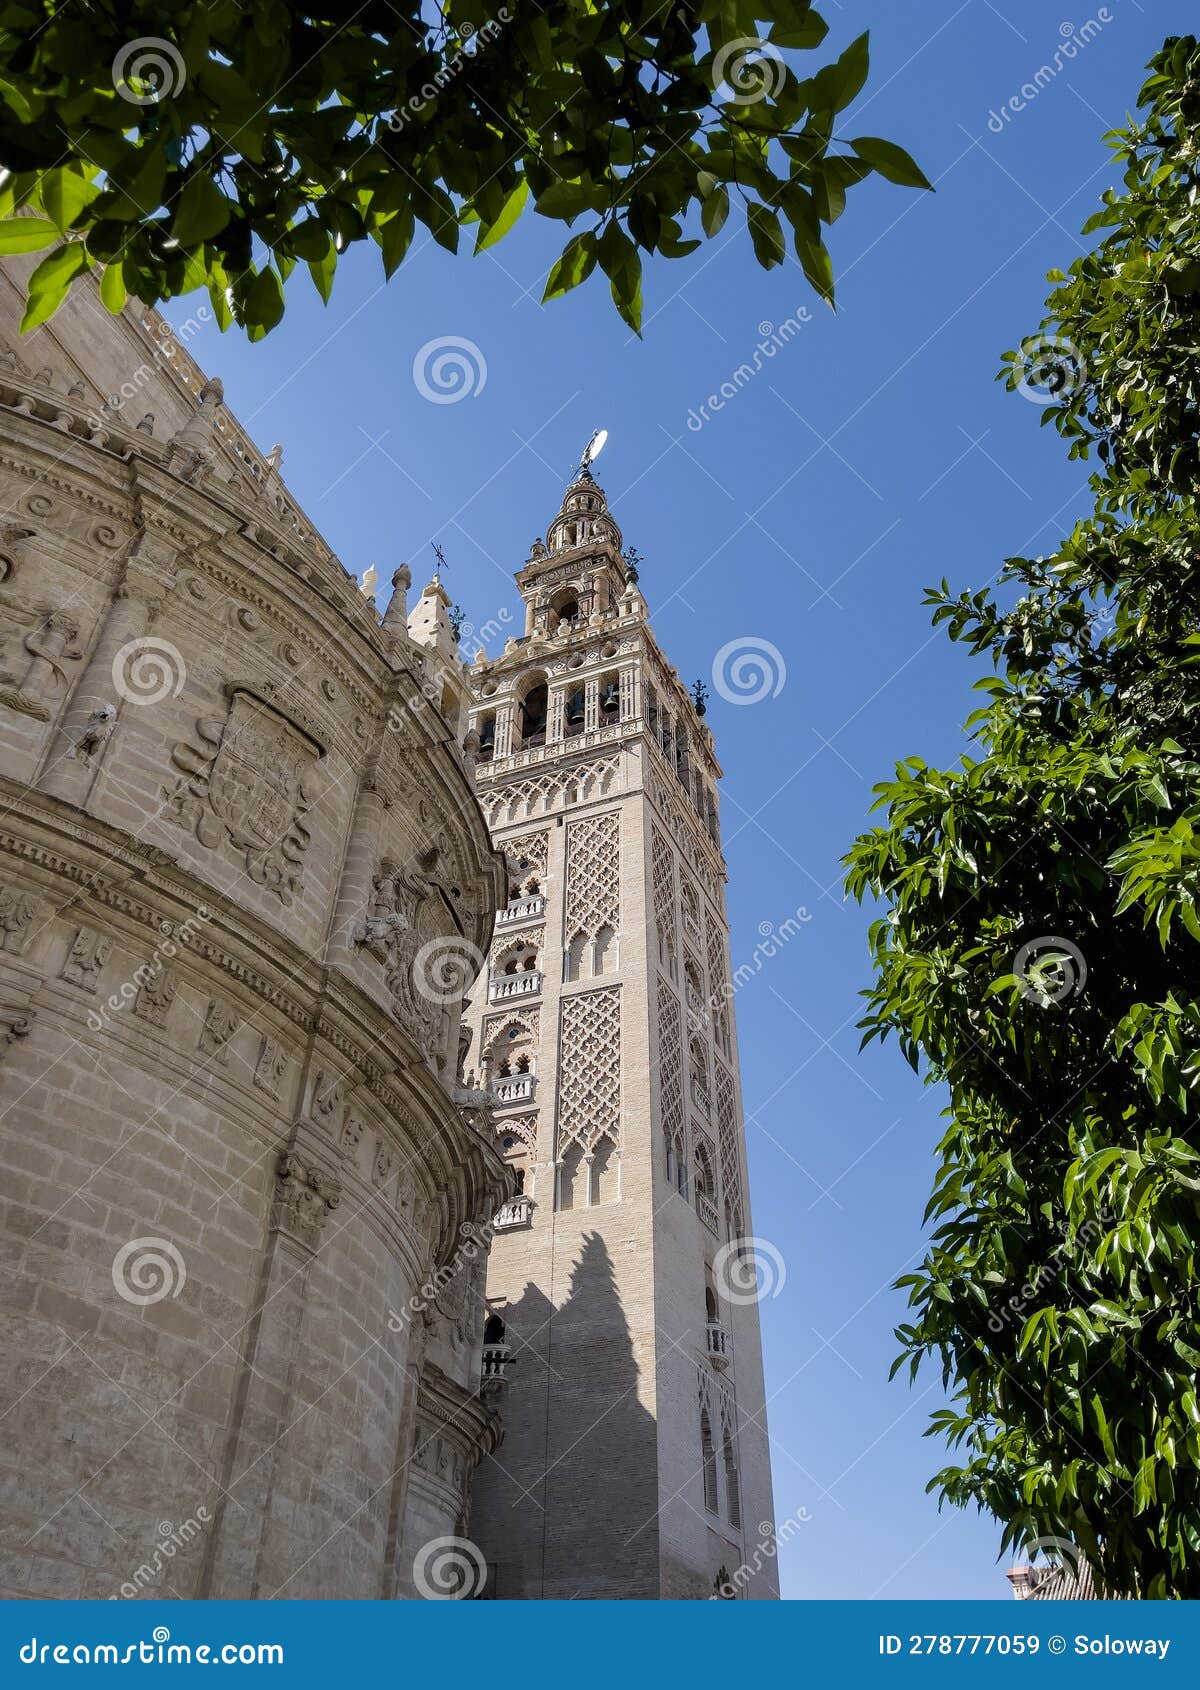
(766, 235)
(26, 234)
(838, 84)
(621, 264)
(64, 193)
(262, 300)
(816, 264)
(714, 209)
(50, 282)
(322, 270)
(394, 238)
(891, 162)
(202, 212)
(113, 292)
(506, 218)
(577, 261)
(564, 199)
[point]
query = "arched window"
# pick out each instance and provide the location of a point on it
(569, 1183)
(610, 699)
(604, 1172)
(708, 1456)
(682, 755)
(666, 946)
(691, 908)
(533, 713)
(493, 1330)
(699, 1067)
(574, 713)
(721, 1030)
(487, 739)
(681, 1178)
(519, 958)
(511, 1052)
(704, 1173)
(604, 952)
(733, 1500)
(573, 961)
(710, 1305)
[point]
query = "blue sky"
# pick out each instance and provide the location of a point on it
(871, 456)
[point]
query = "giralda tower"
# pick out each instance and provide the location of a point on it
(626, 1372)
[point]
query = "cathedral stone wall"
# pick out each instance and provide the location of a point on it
(243, 885)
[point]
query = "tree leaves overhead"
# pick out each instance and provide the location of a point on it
(1040, 950)
(211, 146)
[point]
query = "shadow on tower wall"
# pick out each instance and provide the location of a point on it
(566, 1508)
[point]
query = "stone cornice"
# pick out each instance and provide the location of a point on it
(454, 1409)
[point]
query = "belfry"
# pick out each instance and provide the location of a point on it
(620, 1358)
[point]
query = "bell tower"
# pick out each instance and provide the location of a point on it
(621, 1349)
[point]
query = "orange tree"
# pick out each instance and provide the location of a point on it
(1040, 950)
(220, 144)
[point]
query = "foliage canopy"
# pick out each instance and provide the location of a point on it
(1041, 948)
(220, 144)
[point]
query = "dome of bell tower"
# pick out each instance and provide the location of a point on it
(584, 518)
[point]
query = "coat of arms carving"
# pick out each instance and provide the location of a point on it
(250, 781)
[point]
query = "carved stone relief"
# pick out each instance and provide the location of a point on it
(304, 1199)
(32, 673)
(250, 781)
(19, 911)
(269, 1069)
(155, 996)
(87, 956)
(220, 1024)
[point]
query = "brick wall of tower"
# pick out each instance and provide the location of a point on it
(705, 1527)
(557, 1509)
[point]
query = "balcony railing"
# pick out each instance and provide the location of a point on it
(504, 986)
(496, 1358)
(517, 1213)
(716, 1342)
(707, 1210)
(518, 1088)
(524, 909)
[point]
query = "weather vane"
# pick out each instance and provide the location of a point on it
(592, 451)
(441, 558)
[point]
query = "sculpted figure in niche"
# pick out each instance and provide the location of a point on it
(52, 640)
(385, 920)
(411, 928)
